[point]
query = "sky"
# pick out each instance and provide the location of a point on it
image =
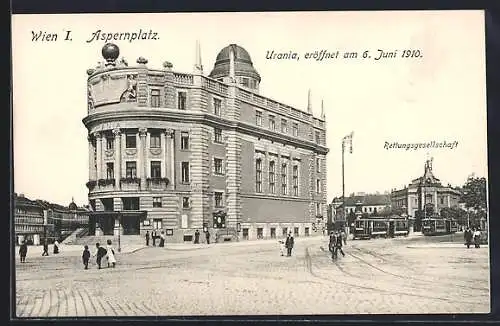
(438, 96)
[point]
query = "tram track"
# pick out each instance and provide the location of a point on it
(311, 266)
(431, 281)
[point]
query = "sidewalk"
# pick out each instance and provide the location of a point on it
(72, 250)
(443, 245)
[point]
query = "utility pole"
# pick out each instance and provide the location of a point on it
(346, 140)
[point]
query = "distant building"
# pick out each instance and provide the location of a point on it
(371, 204)
(35, 220)
(425, 191)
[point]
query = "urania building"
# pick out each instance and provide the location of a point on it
(180, 152)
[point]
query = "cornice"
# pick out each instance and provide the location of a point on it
(169, 115)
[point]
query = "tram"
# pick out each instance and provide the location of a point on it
(439, 226)
(369, 228)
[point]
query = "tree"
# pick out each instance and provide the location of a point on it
(474, 193)
(456, 213)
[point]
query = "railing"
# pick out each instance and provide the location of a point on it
(157, 183)
(214, 85)
(185, 79)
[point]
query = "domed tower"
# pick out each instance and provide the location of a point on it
(233, 61)
(72, 206)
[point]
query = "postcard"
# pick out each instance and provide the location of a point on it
(259, 163)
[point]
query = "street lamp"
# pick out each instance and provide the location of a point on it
(119, 232)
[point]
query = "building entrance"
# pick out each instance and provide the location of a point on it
(131, 224)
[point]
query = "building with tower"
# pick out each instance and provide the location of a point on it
(180, 152)
(426, 194)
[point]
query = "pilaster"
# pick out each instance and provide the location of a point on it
(233, 177)
(142, 154)
(200, 173)
(98, 137)
(168, 88)
(118, 155)
(142, 82)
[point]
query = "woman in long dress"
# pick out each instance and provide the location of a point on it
(111, 254)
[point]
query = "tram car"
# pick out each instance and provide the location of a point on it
(369, 228)
(439, 226)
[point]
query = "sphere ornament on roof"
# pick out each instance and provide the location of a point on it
(110, 52)
(243, 65)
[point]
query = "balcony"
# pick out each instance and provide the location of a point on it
(157, 183)
(130, 183)
(91, 184)
(106, 184)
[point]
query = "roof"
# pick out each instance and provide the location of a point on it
(243, 65)
(366, 200)
(24, 201)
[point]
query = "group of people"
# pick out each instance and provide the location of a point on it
(472, 236)
(155, 236)
(107, 254)
(337, 240)
(23, 249)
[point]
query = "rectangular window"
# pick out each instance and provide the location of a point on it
(442, 200)
(217, 135)
(110, 142)
(295, 129)
(283, 179)
(110, 173)
(245, 82)
(218, 167)
(155, 140)
(155, 98)
(318, 209)
(218, 199)
(272, 122)
(318, 186)
(258, 118)
(260, 233)
(258, 175)
(217, 107)
(306, 232)
(185, 202)
(284, 126)
(318, 137)
(131, 170)
(295, 177)
(130, 141)
(296, 231)
(184, 140)
(273, 233)
(157, 224)
(318, 165)
(155, 169)
(245, 233)
(284, 232)
(181, 100)
(130, 203)
(156, 201)
(272, 178)
(185, 172)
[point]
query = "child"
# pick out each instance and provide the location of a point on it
(86, 257)
(100, 254)
(111, 254)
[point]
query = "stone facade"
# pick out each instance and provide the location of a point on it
(176, 147)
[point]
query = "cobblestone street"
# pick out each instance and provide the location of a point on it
(407, 275)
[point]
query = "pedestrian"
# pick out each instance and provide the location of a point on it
(338, 245)
(111, 254)
(468, 237)
(289, 244)
(344, 236)
(99, 254)
(56, 247)
(153, 235)
(207, 236)
(23, 250)
(332, 244)
(147, 238)
(477, 238)
(197, 236)
(282, 247)
(45, 248)
(162, 239)
(86, 257)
